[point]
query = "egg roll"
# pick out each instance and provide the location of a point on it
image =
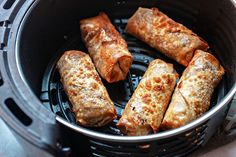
(106, 47)
(144, 111)
(90, 101)
(165, 35)
(192, 95)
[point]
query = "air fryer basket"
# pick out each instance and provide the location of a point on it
(36, 33)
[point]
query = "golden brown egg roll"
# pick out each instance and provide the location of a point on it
(167, 36)
(107, 48)
(91, 103)
(193, 92)
(145, 110)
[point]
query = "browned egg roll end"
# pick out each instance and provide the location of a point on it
(220, 71)
(192, 95)
(106, 47)
(167, 36)
(90, 101)
(119, 69)
(128, 126)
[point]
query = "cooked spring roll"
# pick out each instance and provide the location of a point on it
(145, 110)
(193, 92)
(107, 48)
(91, 103)
(162, 33)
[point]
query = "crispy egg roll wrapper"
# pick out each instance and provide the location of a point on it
(91, 103)
(145, 110)
(167, 36)
(107, 48)
(193, 92)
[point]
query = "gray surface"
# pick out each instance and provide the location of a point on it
(9, 147)
(228, 150)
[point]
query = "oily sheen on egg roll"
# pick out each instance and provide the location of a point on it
(91, 103)
(167, 36)
(193, 92)
(106, 47)
(145, 110)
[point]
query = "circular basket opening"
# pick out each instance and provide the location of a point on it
(50, 28)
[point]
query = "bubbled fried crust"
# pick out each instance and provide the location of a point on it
(145, 110)
(193, 93)
(162, 33)
(91, 103)
(107, 48)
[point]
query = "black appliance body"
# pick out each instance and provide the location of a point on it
(34, 33)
